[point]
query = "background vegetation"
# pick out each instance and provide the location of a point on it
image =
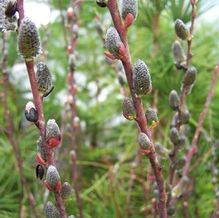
(107, 144)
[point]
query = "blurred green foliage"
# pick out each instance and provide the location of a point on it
(106, 141)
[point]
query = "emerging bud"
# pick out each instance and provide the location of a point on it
(190, 76)
(102, 3)
(31, 112)
(151, 116)
(174, 136)
(66, 190)
(52, 177)
(129, 7)
(178, 53)
(39, 171)
(181, 30)
(174, 100)
(128, 109)
(44, 79)
(53, 136)
(70, 13)
(51, 211)
(141, 78)
(11, 8)
(113, 41)
(144, 141)
(28, 39)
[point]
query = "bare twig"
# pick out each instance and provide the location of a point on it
(72, 103)
(194, 148)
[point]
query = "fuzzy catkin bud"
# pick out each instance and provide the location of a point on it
(113, 41)
(129, 6)
(28, 39)
(174, 100)
(52, 176)
(66, 190)
(31, 112)
(128, 109)
(178, 53)
(151, 115)
(181, 30)
(174, 136)
(143, 141)
(190, 76)
(44, 79)
(141, 78)
(184, 116)
(51, 211)
(53, 136)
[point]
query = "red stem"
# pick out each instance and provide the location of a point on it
(140, 115)
(72, 92)
(193, 149)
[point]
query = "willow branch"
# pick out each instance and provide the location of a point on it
(39, 107)
(140, 116)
